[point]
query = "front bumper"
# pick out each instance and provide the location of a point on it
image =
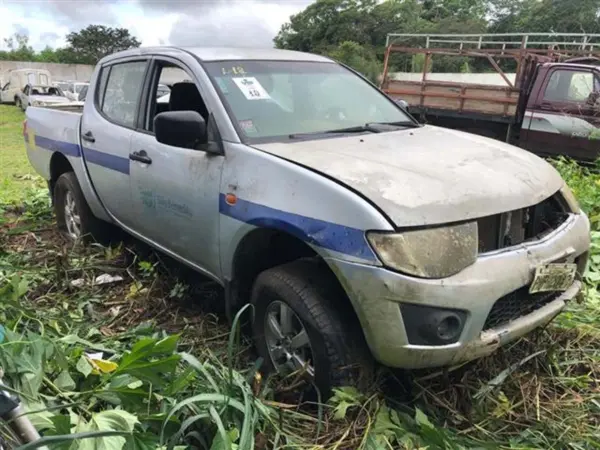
(376, 294)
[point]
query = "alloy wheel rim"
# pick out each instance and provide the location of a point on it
(72, 217)
(287, 341)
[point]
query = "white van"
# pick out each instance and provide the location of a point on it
(17, 79)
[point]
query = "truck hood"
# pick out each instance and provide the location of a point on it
(428, 175)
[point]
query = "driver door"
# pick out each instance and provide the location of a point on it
(175, 191)
(564, 122)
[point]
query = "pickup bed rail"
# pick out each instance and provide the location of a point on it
(524, 52)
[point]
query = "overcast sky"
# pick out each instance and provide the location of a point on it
(251, 23)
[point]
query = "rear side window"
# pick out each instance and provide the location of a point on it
(123, 86)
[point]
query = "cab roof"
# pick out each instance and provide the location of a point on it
(222, 53)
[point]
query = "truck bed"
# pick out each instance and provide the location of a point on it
(50, 130)
(497, 102)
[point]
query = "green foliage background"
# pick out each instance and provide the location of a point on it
(354, 31)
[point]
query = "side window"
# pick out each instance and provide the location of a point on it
(183, 94)
(26, 90)
(569, 86)
(122, 93)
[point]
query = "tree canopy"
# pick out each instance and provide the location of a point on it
(330, 27)
(84, 47)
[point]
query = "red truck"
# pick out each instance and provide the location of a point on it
(550, 105)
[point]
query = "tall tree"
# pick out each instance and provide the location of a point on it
(91, 44)
(327, 23)
(545, 16)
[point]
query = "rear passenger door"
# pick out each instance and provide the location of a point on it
(109, 118)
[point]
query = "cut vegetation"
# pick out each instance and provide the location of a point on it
(125, 344)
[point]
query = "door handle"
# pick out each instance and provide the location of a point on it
(140, 156)
(88, 137)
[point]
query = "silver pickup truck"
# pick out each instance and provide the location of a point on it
(355, 232)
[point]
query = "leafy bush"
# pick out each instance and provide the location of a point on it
(360, 58)
(585, 184)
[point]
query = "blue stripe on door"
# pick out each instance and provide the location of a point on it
(66, 148)
(342, 239)
(107, 160)
(103, 159)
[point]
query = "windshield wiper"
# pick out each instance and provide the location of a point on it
(405, 123)
(358, 129)
(371, 127)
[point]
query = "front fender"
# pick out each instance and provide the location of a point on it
(273, 193)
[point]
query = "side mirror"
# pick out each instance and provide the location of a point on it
(402, 104)
(185, 129)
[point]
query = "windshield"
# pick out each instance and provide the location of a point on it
(270, 99)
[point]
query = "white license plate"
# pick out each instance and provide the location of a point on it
(553, 277)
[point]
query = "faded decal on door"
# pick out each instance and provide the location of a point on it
(158, 203)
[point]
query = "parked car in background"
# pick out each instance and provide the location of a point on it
(16, 80)
(63, 85)
(40, 95)
(74, 90)
(83, 93)
(354, 231)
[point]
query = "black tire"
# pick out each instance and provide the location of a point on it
(92, 228)
(340, 353)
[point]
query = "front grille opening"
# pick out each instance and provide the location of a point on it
(517, 304)
(522, 225)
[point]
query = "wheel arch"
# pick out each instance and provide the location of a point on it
(59, 164)
(264, 248)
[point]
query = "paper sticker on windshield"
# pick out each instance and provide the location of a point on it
(251, 88)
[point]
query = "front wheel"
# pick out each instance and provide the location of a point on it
(73, 215)
(302, 327)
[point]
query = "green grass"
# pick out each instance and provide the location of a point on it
(16, 174)
(171, 371)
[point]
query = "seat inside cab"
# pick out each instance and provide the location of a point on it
(182, 94)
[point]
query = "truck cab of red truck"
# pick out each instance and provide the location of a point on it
(549, 105)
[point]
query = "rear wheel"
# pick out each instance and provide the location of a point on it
(302, 328)
(73, 215)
